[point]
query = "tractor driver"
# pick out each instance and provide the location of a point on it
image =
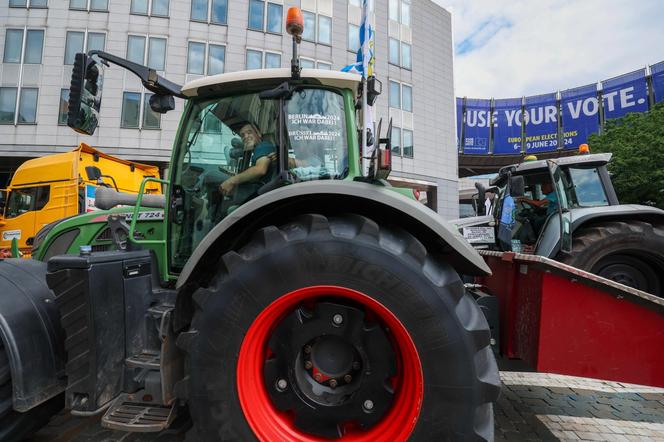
(550, 201)
(260, 155)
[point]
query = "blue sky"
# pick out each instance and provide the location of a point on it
(509, 49)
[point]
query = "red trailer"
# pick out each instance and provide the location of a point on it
(560, 319)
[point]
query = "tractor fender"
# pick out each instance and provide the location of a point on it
(550, 243)
(336, 197)
(31, 333)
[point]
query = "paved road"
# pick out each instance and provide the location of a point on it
(532, 406)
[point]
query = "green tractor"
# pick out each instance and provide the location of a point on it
(282, 294)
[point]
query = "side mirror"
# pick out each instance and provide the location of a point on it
(517, 186)
(93, 173)
(481, 191)
(87, 79)
(381, 158)
(374, 89)
(162, 103)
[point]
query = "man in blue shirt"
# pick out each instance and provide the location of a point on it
(550, 200)
(261, 154)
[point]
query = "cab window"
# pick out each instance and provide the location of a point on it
(26, 199)
(587, 189)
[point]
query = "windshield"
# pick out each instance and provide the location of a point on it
(587, 188)
(26, 199)
(229, 149)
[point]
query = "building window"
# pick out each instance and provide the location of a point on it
(353, 38)
(309, 32)
(80, 41)
(64, 107)
(275, 18)
(265, 16)
(200, 64)
(155, 56)
(394, 51)
(306, 63)
(395, 95)
(406, 98)
(400, 54)
(317, 28)
(400, 11)
(357, 3)
(324, 30)
(405, 56)
(27, 3)
(157, 8)
(396, 141)
(324, 65)
(401, 96)
(258, 59)
(407, 143)
(22, 112)
(89, 5)
(18, 51)
(136, 112)
(210, 11)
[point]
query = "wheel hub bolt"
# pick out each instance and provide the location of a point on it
(337, 319)
(307, 349)
(333, 383)
(318, 377)
(282, 384)
(308, 365)
(348, 378)
(368, 405)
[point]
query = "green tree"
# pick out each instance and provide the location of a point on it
(637, 143)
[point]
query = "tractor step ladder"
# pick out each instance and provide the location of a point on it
(129, 413)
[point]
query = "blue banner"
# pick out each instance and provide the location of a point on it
(477, 126)
(459, 120)
(625, 94)
(580, 114)
(541, 120)
(507, 126)
(657, 71)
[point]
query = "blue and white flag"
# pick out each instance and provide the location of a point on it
(364, 62)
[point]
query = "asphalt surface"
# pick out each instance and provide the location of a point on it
(532, 406)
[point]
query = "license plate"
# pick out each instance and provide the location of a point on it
(476, 235)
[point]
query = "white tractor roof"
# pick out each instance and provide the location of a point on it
(326, 77)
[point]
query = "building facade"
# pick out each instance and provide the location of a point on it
(187, 39)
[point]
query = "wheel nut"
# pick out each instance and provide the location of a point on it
(333, 383)
(348, 378)
(337, 319)
(307, 349)
(318, 377)
(282, 384)
(308, 365)
(368, 406)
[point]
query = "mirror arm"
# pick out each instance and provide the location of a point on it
(149, 77)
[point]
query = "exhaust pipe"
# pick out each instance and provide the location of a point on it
(106, 198)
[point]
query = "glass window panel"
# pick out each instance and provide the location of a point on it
(196, 58)
(394, 10)
(38, 3)
(220, 11)
(64, 106)
(408, 143)
(96, 41)
(353, 38)
(17, 3)
(78, 4)
(396, 141)
(73, 44)
(216, 59)
(307, 64)
(99, 5)
(160, 8)
(139, 6)
(324, 29)
(27, 106)
(151, 119)
(7, 105)
(131, 102)
(395, 95)
(256, 14)
(272, 60)
(405, 13)
(355, 2)
(33, 47)
(274, 18)
(254, 59)
(13, 46)
(405, 55)
(136, 49)
(407, 98)
(157, 54)
(324, 66)
(199, 9)
(309, 32)
(394, 51)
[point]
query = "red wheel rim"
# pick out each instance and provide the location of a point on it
(270, 424)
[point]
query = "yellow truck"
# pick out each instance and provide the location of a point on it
(46, 189)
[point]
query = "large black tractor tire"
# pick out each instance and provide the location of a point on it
(628, 252)
(15, 426)
(383, 285)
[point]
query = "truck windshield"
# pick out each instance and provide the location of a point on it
(587, 188)
(229, 149)
(25, 200)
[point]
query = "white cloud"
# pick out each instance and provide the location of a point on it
(542, 46)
